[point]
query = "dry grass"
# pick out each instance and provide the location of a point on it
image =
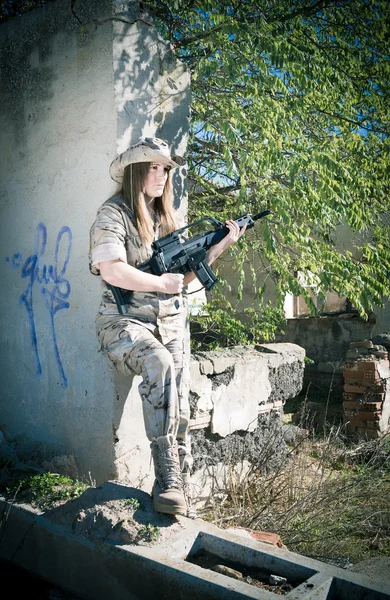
(331, 499)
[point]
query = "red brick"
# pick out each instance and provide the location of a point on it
(353, 375)
(369, 416)
(366, 432)
(356, 377)
(367, 365)
(354, 389)
(371, 396)
(372, 375)
(361, 377)
(356, 422)
(373, 406)
(352, 404)
(260, 536)
(376, 388)
(363, 405)
(361, 419)
(352, 397)
(382, 355)
(350, 365)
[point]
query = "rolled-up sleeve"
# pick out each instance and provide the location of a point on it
(107, 237)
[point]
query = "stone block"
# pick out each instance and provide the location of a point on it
(201, 388)
(236, 405)
(221, 361)
(206, 367)
(194, 370)
(384, 369)
(247, 398)
(362, 344)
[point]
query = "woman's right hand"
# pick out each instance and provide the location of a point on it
(172, 283)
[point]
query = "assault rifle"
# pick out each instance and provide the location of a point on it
(176, 254)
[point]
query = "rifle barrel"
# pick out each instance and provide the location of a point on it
(261, 215)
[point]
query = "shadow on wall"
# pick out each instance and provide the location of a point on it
(33, 49)
(152, 92)
(152, 97)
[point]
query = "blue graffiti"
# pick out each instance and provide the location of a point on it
(49, 278)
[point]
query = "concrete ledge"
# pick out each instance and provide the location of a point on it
(236, 401)
(98, 571)
(231, 387)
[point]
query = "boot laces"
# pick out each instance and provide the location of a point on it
(169, 468)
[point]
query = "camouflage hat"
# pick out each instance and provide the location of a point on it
(145, 150)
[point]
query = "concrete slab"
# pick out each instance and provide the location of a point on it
(98, 569)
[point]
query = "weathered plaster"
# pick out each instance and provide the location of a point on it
(67, 99)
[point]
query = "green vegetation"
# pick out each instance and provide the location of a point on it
(133, 504)
(331, 501)
(221, 326)
(47, 490)
(149, 532)
(290, 112)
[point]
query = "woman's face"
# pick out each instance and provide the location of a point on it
(156, 179)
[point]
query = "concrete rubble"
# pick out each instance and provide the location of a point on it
(230, 389)
(236, 401)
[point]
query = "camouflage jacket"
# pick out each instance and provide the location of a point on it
(114, 235)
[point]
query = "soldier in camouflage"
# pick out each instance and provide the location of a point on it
(150, 340)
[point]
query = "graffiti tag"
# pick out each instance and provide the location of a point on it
(50, 280)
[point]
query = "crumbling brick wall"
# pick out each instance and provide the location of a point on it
(366, 397)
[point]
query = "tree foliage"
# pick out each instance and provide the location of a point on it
(290, 112)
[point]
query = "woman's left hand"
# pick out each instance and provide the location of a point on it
(231, 238)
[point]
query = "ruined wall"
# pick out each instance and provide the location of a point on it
(236, 400)
(79, 80)
(79, 86)
(326, 340)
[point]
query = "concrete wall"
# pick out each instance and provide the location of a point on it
(76, 87)
(236, 401)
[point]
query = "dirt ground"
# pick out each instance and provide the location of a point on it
(115, 513)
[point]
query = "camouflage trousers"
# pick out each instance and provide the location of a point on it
(136, 349)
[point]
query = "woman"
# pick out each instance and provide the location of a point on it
(150, 339)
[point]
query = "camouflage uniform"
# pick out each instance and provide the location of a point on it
(151, 339)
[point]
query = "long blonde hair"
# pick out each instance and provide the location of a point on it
(132, 190)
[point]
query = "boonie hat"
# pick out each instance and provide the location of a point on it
(145, 150)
